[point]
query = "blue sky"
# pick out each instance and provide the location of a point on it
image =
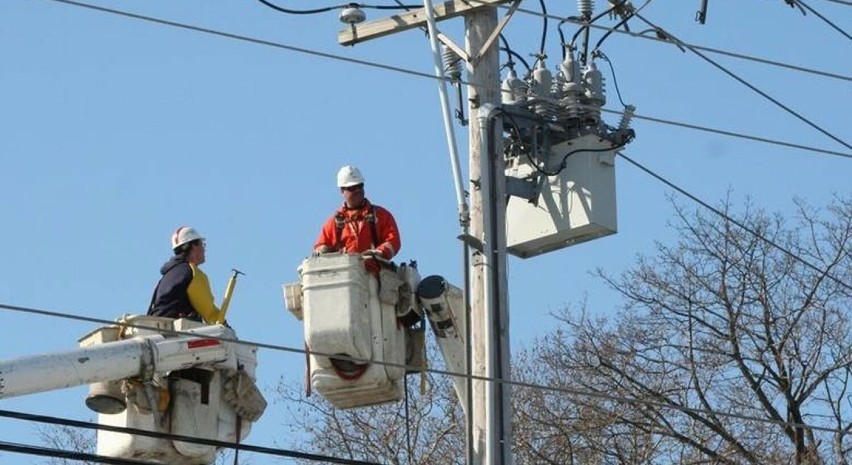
(115, 131)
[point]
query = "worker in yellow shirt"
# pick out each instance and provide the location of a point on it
(184, 290)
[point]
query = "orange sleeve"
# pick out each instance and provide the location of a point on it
(326, 235)
(389, 239)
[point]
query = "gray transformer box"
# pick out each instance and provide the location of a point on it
(574, 206)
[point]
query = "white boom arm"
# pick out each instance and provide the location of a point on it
(111, 361)
(445, 308)
(143, 375)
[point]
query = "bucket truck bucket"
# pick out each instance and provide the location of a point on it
(352, 327)
(204, 400)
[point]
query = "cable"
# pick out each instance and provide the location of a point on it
(556, 389)
(623, 21)
(246, 38)
(52, 420)
(742, 81)
(544, 27)
(842, 2)
(742, 226)
(303, 351)
(70, 455)
(399, 6)
(741, 56)
(826, 20)
(734, 134)
(429, 75)
(312, 52)
(369, 64)
(299, 12)
(602, 55)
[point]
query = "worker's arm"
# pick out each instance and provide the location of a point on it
(389, 240)
(201, 297)
(326, 241)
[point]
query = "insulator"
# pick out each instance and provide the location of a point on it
(542, 81)
(569, 73)
(586, 7)
(513, 90)
(547, 109)
(571, 107)
(626, 117)
(452, 63)
(352, 14)
(594, 83)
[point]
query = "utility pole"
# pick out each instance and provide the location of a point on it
(489, 303)
(490, 413)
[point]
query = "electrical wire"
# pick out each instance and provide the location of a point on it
(717, 51)
(523, 384)
(826, 20)
(623, 21)
(299, 12)
(742, 81)
(428, 75)
(738, 135)
(740, 224)
(544, 27)
(599, 53)
(511, 53)
(399, 6)
(519, 57)
(69, 455)
(242, 38)
(432, 76)
(278, 452)
(326, 55)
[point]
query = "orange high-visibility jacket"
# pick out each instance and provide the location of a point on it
(356, 235)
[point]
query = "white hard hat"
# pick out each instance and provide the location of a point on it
(184, 234)
(349, 176)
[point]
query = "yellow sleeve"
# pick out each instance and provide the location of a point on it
(201, 297)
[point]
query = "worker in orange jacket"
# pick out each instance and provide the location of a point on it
(358, 227)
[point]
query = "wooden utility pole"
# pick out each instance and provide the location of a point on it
(490, 413)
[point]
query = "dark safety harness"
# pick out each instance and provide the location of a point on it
(340, 221)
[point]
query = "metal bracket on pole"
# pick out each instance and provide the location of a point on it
(523, 188)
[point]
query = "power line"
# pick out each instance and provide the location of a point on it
(242, 38)
(468, 376)
(741, 56)
(70, 455)
(557, 389)
(397, 69)
(733, 134)
(398, 6)
(53, 420)
(842, 2)
(432, 76)
(326, 55)
(826, 20)
(763, 94)
(742, 226)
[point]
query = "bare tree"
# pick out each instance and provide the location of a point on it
(733, 347)
(426, 428)
(728, 351)
(67, 438)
